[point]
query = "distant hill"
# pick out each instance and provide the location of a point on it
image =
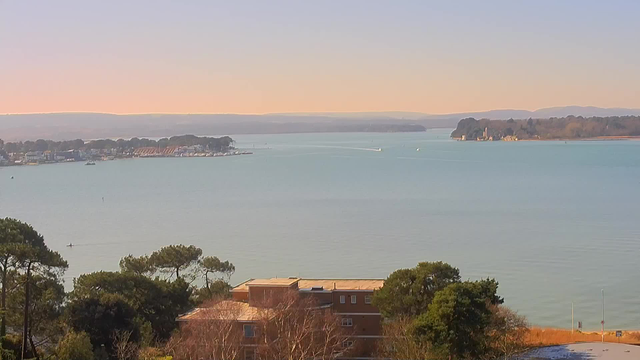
(402, 115)
(65, 126)
(584, 111)
(501, 114)
(68, 126)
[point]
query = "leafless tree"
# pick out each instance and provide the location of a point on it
(212, 333)
(507, 333)
(291, 327)
(124, 347)
(398, 342)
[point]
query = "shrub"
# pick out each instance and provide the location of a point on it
(75, 346)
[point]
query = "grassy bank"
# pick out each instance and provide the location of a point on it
(550, 336)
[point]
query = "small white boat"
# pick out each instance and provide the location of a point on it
(90, 163)
(418, 149)
(379, 149)
(70, 245)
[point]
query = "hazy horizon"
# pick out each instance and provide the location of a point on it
(255, 57)
(310, 113)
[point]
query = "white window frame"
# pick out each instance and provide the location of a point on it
(253, 330)
(368, 299)
(343, 299)
(347, 322)
(354, 299)
(347, 344)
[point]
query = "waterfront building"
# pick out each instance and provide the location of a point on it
(33, 157)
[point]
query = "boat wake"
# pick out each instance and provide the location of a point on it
(340, 147)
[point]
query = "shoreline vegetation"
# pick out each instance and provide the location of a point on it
(557, 129)
(51, 152)
(541, 337)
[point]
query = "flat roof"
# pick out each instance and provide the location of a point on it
(224, 310)
(326, 284)
(342, 284)
(285, 282)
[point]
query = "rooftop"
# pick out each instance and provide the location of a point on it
(285, 282)
(224, 310)
(341, 284)
(326, 284)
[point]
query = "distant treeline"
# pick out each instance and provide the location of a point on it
(570, 127)
(210, 143)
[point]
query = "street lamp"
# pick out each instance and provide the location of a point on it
(602, 315)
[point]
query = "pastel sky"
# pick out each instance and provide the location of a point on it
(156, 56)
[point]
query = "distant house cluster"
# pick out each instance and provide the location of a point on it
(47, 157)
(155, 151)
(182, 151)
(48, 151)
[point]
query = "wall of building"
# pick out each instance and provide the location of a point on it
(368, 325)
(321, 297)
(260, 295)
(240, 296)
(348, 307)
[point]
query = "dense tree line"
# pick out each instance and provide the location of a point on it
(431, 314)
(570, 127)
(107, 314)
(210, 143)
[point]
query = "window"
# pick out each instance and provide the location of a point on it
(367, 299)
(249, 331)
(347, 344)
(343, 299)
(354, 299)
(347, 322)
(249, 354)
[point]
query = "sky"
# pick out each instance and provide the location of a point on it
(253, 57)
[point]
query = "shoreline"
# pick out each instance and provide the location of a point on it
(87, 161)
(597, 138)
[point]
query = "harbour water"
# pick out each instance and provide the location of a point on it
(554, 222)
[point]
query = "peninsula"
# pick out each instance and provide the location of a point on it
(48, 151)
(564, 128)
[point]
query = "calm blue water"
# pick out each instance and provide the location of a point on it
(553, 222)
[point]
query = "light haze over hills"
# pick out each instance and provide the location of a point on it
(64, 126)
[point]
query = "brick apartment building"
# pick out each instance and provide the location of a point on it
(349, 299)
